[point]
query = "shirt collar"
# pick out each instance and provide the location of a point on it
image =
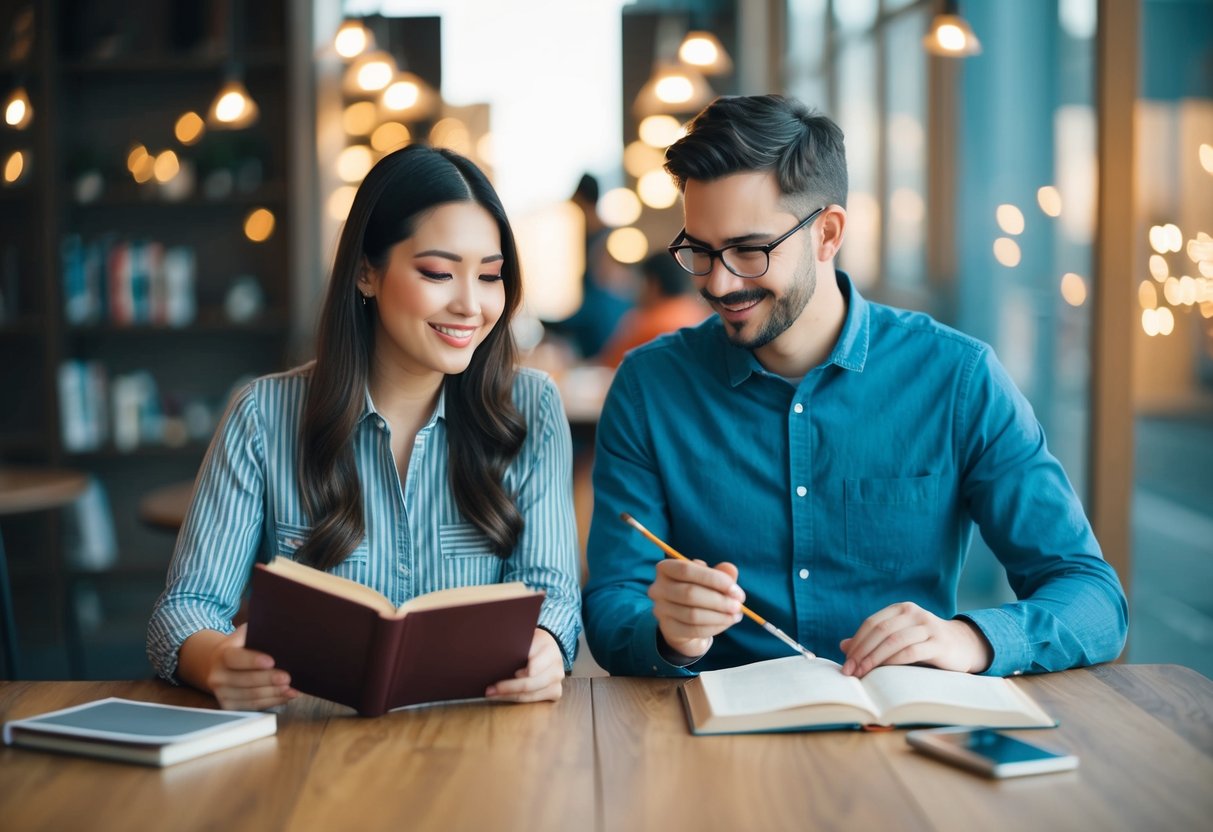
(850, 351)
(369, 410)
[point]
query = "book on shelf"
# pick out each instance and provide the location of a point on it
(139, 732)
(343, 641)
(799, 694)
(127, 282)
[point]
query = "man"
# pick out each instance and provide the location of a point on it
(667, 302)
(829, 454)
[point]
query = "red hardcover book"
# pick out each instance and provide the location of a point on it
(345, 642)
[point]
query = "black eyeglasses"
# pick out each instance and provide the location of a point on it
(744, 259)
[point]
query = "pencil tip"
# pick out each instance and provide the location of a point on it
(625, 517)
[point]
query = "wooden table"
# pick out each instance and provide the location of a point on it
(614, 754)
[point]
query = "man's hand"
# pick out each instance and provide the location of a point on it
(541, 679)
(243, 679)
(905, 633)
(694, 602)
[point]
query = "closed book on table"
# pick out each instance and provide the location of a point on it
(343, 641)
(139, 732)
(799, 694)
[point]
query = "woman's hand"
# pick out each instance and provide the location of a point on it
(241, 679)
(541, 680)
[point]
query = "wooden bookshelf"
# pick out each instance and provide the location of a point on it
(102, 76)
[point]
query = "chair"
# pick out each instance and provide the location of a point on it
(25, 490)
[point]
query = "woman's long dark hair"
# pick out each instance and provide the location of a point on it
(484, 427)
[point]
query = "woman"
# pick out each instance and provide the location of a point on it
(411, 455)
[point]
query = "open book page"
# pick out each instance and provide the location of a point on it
(332, 584)
(461, 595)
(912, 694)
(781, 684)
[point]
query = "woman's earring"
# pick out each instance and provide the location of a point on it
(363, 299)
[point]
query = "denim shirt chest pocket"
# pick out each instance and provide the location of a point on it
(893, 523)
(468, 558)
(289, 537)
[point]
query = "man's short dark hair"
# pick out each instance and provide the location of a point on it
(663, 271)
(736, 134)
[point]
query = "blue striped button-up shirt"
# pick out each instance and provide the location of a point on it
(247, 506)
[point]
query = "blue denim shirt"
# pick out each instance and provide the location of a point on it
(856, 489)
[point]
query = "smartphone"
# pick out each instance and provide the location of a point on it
(989, 752)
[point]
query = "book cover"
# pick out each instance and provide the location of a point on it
(342, 641)
(798, 694)
(139, 732)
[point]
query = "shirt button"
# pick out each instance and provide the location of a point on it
(798, 407)
(381, 424)
(1017, 673)
(804, 574)
(801, 491)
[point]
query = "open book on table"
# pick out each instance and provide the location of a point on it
(343, 641)
(799, 694)
(139, 732)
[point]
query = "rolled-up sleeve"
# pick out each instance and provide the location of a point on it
(545, 556)
(218, 541)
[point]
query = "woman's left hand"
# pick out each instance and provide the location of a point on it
(541, 680)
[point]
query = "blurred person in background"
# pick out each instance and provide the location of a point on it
(667, 302)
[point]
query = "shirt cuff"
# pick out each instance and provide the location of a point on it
(1008, 641)
(563, 627)
(648, 658)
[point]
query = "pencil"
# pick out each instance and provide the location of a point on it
(753, 616)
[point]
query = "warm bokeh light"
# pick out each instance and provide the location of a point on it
(1010, 218)
(1170, 291)
(1165, 320)
(1206, 309)
(1006, 252)
(166, 166)
(14, 166)
(389, 136)
(619, 207)
(639, 158)
(452, 134)
(359, 118)
(1206, 268)
(486, 151)
(374, 73)
(189, 128)
(354, 162)
(339, 202)
(698, 51)
(352, 39)
(17, 110)
(1158, 239)
(1200, 248)
(1074, 289)
(951, 38)
(1147, 295)
(1049, 200)
(1158, 267)
(660, 131)
(144, 167)
(657, 189)
(233, 107)
(1206, 157)
(628, 245)
(1175, 237)
(136, 156)
(259, 225)
(401, 95)
(1187, 290)
(674, 88)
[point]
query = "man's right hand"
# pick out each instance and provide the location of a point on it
(694, 602)
(241, 679)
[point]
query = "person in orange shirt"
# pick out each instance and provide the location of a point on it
(667, 302)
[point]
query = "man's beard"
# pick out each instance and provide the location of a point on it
(784, 310)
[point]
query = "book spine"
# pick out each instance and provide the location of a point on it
(383, 655)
